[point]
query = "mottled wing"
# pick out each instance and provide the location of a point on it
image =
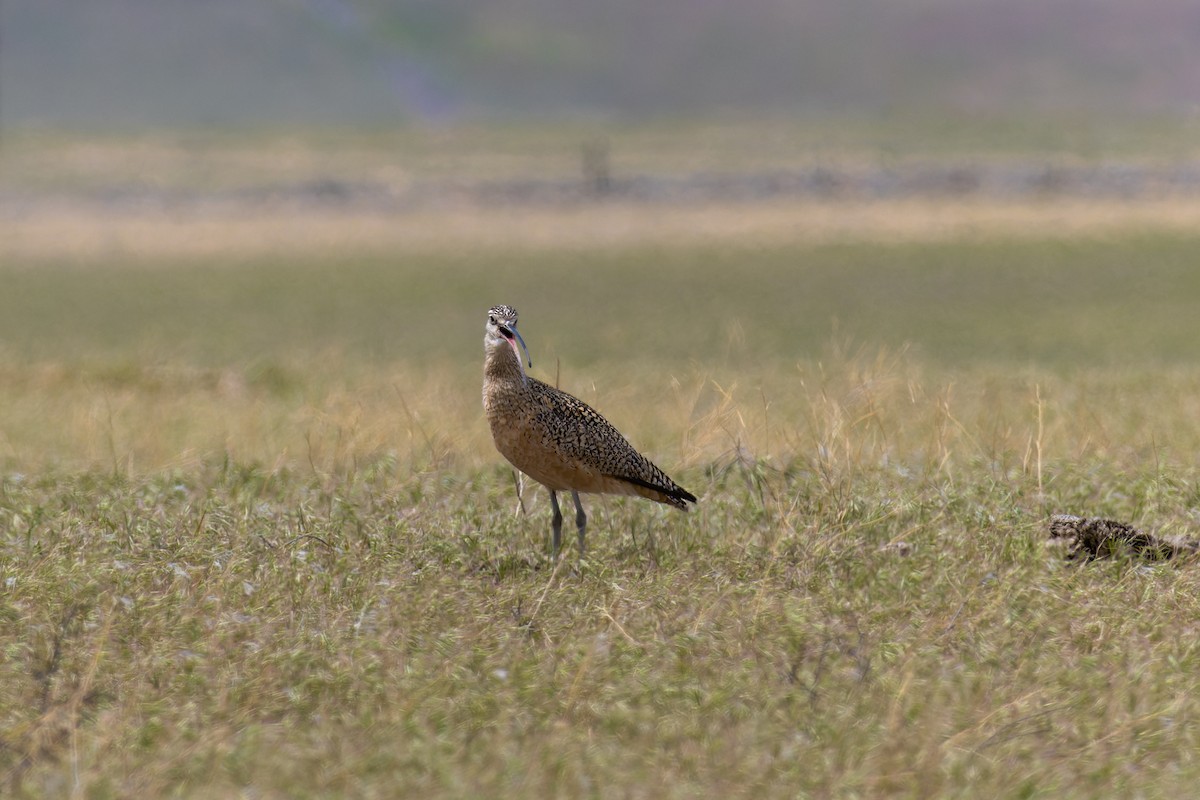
(578, 432)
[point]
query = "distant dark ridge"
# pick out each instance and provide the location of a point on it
(985, 180)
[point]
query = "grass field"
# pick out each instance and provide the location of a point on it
(254, 539)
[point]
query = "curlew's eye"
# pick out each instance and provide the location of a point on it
(492, 320)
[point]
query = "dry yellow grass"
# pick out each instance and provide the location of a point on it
(162, 236)
(241, 555)
(363, 613)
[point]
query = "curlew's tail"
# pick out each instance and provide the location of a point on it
(672, 494)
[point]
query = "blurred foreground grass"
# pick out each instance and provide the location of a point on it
(254, 538)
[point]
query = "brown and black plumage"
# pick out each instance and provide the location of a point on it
(1088, 538)
(556, 438)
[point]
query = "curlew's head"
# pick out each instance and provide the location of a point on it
(501, 331)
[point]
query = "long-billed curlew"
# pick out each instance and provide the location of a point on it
(557, 439)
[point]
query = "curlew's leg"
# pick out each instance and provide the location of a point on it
(555, 524)
(580, 519)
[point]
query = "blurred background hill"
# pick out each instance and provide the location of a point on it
(122, 64)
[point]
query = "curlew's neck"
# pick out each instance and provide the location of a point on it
(501, 364)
